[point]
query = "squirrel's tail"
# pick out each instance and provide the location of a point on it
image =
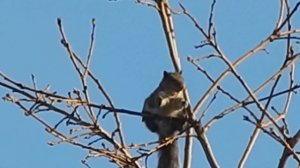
(168, 156)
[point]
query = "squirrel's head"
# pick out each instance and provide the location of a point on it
(173, 81)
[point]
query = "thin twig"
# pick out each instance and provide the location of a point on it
(169, 31)
(76, 59)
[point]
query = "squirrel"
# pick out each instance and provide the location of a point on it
(164, 112)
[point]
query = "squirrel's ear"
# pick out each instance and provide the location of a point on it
(165, 73)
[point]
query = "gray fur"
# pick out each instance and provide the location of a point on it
(165, 109)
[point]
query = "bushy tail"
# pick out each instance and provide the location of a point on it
(168, 156)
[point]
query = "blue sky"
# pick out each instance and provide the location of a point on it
(130, 55)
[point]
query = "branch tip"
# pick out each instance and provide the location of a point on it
(59, 21)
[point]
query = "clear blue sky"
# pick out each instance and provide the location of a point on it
(130, 55)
